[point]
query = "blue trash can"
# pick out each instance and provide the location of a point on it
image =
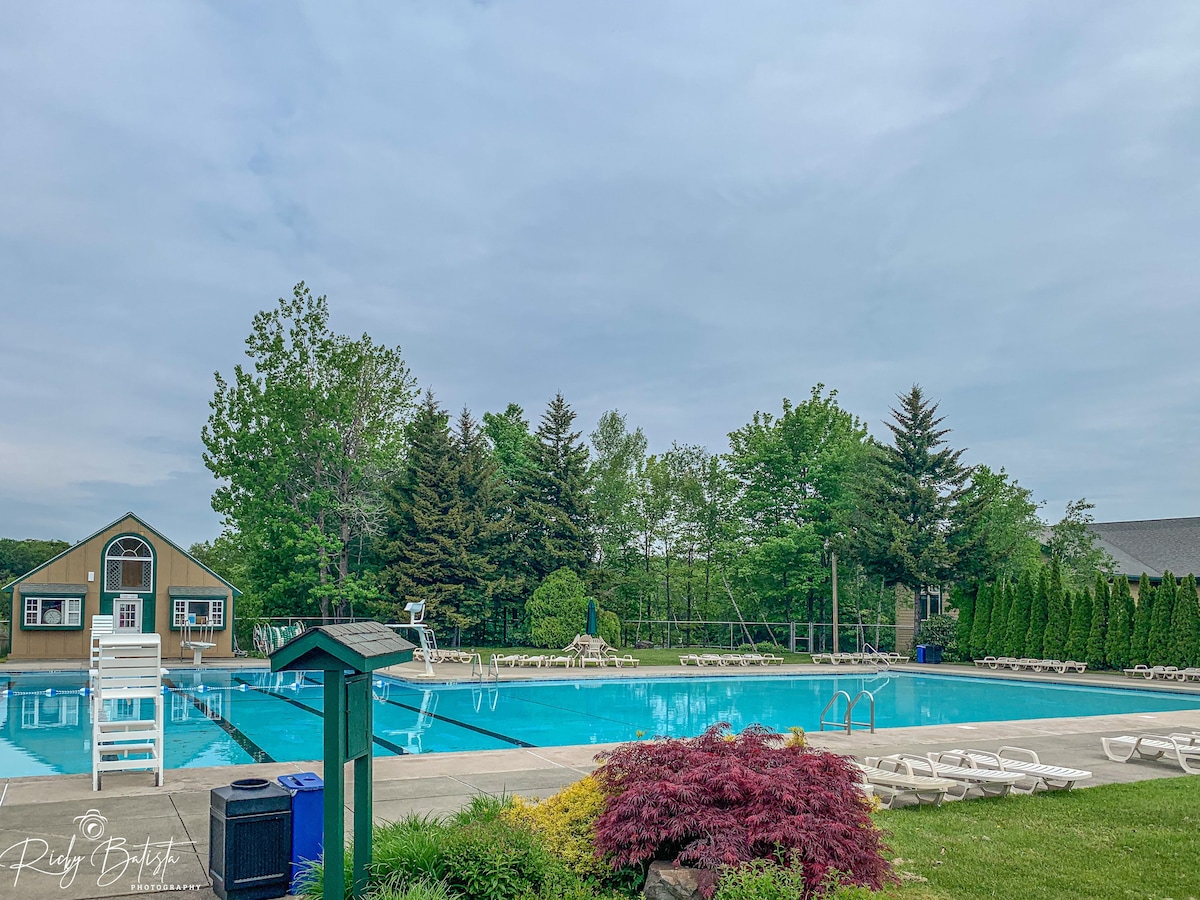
(308, 822)
(921, 653)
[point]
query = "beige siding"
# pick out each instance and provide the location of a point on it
(172, 568)
(905, 619)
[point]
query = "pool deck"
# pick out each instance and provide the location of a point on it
(44, 809)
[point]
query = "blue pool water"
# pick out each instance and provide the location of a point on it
(233, 716)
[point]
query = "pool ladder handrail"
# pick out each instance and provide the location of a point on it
(847, 721)
(480, 674)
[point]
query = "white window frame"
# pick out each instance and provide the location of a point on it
(70, 608)
(115, 552)
(216, 611)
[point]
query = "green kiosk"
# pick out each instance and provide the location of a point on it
(347, 654)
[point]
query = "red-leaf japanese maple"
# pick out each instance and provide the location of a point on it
(720, 800)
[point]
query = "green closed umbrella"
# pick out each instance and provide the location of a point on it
(593, 624)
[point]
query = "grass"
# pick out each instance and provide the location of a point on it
(655, 656)
(1114, 842)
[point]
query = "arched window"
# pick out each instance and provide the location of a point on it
(128, 565)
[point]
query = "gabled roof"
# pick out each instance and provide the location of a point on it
(129, 515)
(363, 646)
(1152, 546)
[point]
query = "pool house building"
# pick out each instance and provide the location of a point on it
(127, 570)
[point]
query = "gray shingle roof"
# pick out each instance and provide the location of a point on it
(1152, 545)
(55, 588)
(177, 590)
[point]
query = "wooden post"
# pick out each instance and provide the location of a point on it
(362, 815)
(334, 887)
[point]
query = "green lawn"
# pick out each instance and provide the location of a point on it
(653, 657)
(1105, 843)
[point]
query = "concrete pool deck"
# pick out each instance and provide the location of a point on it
(46, 811)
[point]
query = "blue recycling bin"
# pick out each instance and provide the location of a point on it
(308, 822)
(921, 648)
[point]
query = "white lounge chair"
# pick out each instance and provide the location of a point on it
(1037, 773)
(711, 659)
(506, 659)
(128, 668)
(625, 662)
(819, 658)
(1183, 749)
(735, 659)
(691, 659)
(991, 782)
(893, 785)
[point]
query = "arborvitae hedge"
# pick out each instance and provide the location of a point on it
(1018, 616)
(1058, 619)
(1035, 635)
(1081, 621)
(1160, 647)
(1139, 644)
(980, 620)
(1099, 624)
(1185, 624)
(1001, 600)
(1120, 625)
(967, 601)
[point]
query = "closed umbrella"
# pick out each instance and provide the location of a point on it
(593, 625)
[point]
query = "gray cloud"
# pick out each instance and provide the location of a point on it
(683, 211)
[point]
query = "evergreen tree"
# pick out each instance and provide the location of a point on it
(1058, 619)
(981, 620)
(967, 602)
(1018, 616)
(1081, 619)
(484, 519)
(424, 555)
(1160, 647)
(993, 639)
(1098, 628)
(1120, 625)
(1140, 642)
(1035, 637)
(1185, 626)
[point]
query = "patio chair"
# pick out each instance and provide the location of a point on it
(735, 659)
(819, 658)
(1137, 671)
(197, 638)
(627, 661)
(1018, 759)
(1183, 749)
(559, 660)
(891, 785)
(711, 659)
(991, 782)
(506, 659)
(1191, 673)
(690, 659)
(128, 668)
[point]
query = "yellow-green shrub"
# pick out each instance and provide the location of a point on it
(566, 824)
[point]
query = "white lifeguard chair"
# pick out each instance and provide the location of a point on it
(425, 637)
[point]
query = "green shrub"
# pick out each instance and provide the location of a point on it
(566, 824)
(760, 879)
(496, 858)
(610, 627)
(417, 890)
(409, 851)
(940, 630)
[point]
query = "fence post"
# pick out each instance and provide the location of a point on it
(791, 637)
(812, 633)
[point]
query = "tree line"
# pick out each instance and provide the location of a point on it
(343, 488)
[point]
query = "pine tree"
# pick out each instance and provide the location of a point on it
(1185, 625)
(982, 620)
(1035, 636)
(967, 602)
(995, 641)
(1139, 644)
(423, 554)
(1098, 629)
(1081, 618)
(485, 525)
(1058, 619)
(1120, 625)
(1160, 647)
(1018, 616)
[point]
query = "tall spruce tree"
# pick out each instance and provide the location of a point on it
(1018, 616)
(996, 638)
(1185, 625)
(485, 522)
(1058, 620)
(1035, 636)
(1160, 647)
(1139, 644)
(981, 620)
(424, 555)
(1120, 625)
(1098, 628)
(1081, 620)
(907, 532)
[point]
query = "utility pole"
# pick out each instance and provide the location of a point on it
(835, 604)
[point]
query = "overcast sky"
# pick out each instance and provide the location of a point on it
(685, 211)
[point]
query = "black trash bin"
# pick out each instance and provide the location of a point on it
(250, 840)
(933, 653)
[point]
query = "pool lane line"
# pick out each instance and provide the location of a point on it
(257, 753)
(320, 714)
(516, 742)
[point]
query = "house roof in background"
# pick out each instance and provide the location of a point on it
(1152, 546)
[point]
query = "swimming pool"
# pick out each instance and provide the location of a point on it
(226, 717)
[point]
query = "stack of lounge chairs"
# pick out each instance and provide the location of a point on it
(1168, 673)
(1033, 665)
(859, 658)
(959, 773)
(730, 659)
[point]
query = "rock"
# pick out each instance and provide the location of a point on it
(666, 881)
